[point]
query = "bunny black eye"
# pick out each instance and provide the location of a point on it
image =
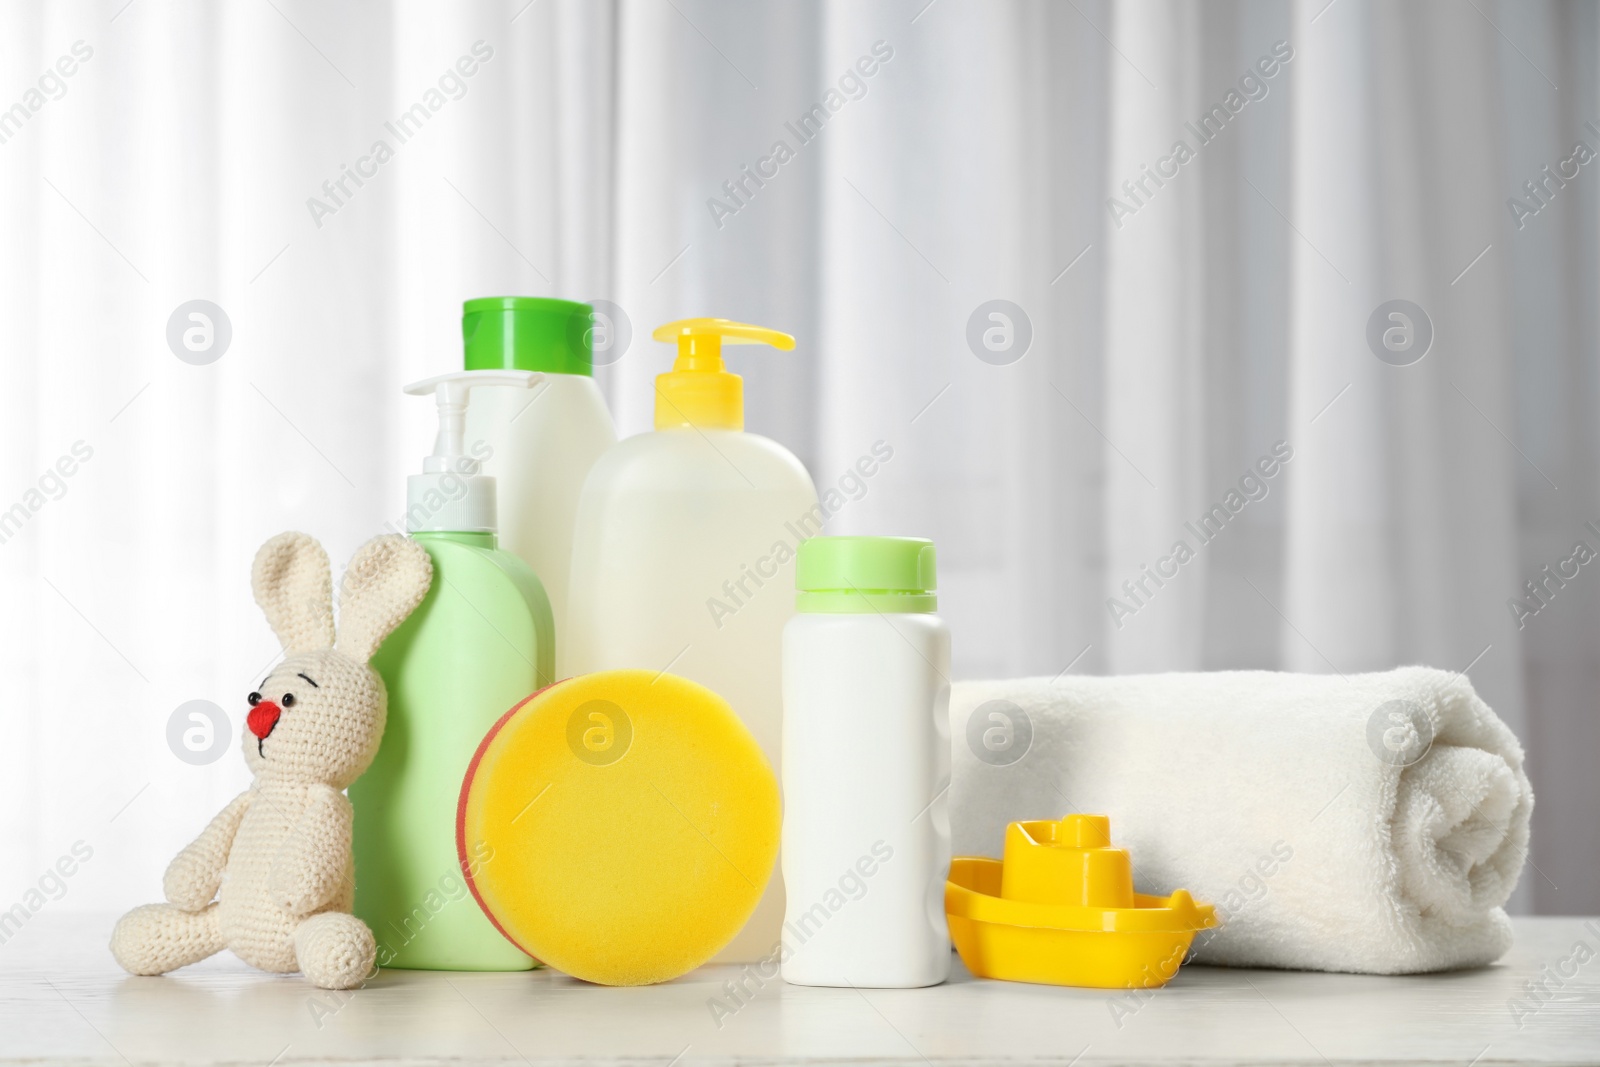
(253, 699)
(288, 700)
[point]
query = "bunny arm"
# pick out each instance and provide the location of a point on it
(195, 873)
(313, 861)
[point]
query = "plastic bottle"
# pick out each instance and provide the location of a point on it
(866, 767)
(542, 443)
(480, 642)
(684, 553)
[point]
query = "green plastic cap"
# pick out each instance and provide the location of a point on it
(853, 575)
(528, 333)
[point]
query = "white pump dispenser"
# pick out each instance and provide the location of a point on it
(450, 494)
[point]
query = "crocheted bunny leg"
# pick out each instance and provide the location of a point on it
(334, 950)
(158, 938)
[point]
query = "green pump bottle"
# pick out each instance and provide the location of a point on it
(481, 641)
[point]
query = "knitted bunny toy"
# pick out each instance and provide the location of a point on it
(277, 859)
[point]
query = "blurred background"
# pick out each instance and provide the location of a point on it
(1373, 257)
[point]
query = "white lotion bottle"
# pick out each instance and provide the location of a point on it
(683, 559)
(866, 767)
(542, 444)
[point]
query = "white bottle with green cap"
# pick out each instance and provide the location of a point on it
(541, 443)
(866, 767)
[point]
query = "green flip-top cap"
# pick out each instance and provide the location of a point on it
(862, 574)
(528, 333)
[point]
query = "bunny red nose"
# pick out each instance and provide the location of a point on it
(262, 718)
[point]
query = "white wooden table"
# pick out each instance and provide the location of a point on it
(63, 1001)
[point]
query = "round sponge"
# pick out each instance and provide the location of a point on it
(619, 826)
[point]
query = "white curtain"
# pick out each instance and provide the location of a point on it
(939, 156)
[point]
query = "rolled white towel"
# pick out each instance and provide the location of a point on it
(1375, 823)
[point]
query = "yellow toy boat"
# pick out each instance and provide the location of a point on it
(1061, 910)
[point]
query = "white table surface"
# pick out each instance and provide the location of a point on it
(64, 1001)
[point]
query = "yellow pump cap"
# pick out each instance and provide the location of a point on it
(699, 390)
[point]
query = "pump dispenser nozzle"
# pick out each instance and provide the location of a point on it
(450, 494)
(699, 390)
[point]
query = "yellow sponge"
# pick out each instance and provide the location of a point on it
(619, 826)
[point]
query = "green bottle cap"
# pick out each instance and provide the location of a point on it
(528, 333)
(854, 575)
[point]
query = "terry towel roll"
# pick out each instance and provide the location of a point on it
(1375, 823)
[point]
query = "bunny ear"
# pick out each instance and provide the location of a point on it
(292, 584)
(386, 580)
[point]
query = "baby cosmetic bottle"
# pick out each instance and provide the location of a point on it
(866, 767)
(541, 442)
(684, 553)
(481, 641)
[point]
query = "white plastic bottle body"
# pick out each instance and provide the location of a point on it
(544, 442)
(684, 562)
(866, 829)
